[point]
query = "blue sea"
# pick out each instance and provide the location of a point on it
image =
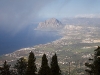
(27, 37)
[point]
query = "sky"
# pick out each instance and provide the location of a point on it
(17, 17)
(17, 14)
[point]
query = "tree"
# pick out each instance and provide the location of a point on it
(31, 67)
(54, 66)
(5, 70)
(21, 65)
(94, 66)
(13, 72)
(44, 69)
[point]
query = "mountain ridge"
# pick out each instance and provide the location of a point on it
(50, 24)
(76, 45)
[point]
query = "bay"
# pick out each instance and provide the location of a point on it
(28, 37)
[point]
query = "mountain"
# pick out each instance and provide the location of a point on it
(50, 24)
(82, 21)
(76, 45)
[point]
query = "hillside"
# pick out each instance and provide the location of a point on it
(82, 21)
(50, 24)
(76, 45)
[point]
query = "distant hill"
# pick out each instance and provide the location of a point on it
(54, 24)
(82, 21)
(77, 42)
(50, 24)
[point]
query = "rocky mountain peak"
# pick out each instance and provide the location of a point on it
(50, 24)
(53, 21)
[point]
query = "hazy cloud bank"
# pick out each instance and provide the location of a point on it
(17, 14)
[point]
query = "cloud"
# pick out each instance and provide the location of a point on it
(56, 9)
(88, 16)
(17, 14)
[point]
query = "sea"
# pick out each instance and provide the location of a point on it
(27, 37)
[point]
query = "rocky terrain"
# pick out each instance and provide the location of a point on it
(50, 24)
(76, 45)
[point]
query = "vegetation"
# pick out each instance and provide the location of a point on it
(54, 66)
(23, 67)
(44, 69)
(20, 66)
(5, 69)
(31, 67)
(93, 68)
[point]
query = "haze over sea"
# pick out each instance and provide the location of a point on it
(27, 37)
(17, 15)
